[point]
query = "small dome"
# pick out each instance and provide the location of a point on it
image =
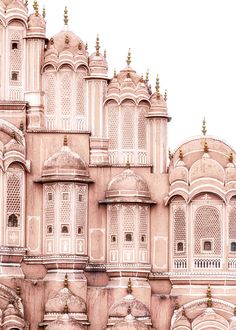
(128, 185)
(130, 323)
(206, 167)
(10, 310)
(64, 296)
(13, 145)
(98, 64)
(65, 322)
(65, 162)
(36, 21)
(158, 104)
(67, 40)
(138, 309)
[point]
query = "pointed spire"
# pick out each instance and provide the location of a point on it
(170, 155)
(36, 7)
(204, 130)
(79, 46)
(66, 281)
(181, 156)
(65, 142)
(66, 19)
(105, 53)
(147, 76)
(165, 95)
(115, 74)
(129, 310)
(13, 135)
(97, 45)
(26, 3)
(209, 296)
(18, 290)
(128, 61)
(234, 311)
(141, 78)
(129, 287)
(158, 86)
(44, 12)
(176, 305)
(206, 149)
(86, 46)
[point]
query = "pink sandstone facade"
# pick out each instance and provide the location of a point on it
(99, 230)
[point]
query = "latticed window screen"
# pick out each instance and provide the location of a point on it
(128, 127)
(179, 231)
(143, 225)
(81, 201)
(14, 193)
(50, 91)
(207, 226)
(49, 203)
(113, 225)
(65, 205)
(65, 92)
(232, 224)
(127, 132)
(80, 91)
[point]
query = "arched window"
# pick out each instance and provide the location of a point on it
(65, 229)
(12, 220)
(233, 246)
(207, 246)
(180, 246)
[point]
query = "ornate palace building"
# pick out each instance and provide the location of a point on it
(98, 228)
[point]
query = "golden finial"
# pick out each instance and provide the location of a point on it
(51, 41)
(66, 309)
(128, 162)
(184, 312)
(129, 310)
(66, 20)
(158, 86)
(181, 156)
(44, 12)
(36, 7)
(128, 75)
(128, 61)
(67, 40)
(231, 157)
(170, 155)
(105, 53)
(79, 46)
(204, 130)
(13, 135)
(176, 305)
(66, 281)
(97, 45)
(147, 76)
(86, 46)
(141, 78)
(165, 95)
(65, 142)
(234, 311)
(209, 296)
(21, 126)
(115, 75)
(206, 149)
(129, 287)
(18, 291)
(26, 3)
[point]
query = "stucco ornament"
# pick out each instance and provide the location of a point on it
(65, 322)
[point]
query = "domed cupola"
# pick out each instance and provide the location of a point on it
(36, 23)
(98, 62)
(158, 102)
(64, 165)
(69, 47)
(63, 322)
(130, 323)
(179, 172)
(128, 187)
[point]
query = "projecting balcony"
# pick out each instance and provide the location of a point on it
(137, 157)
(207, 263)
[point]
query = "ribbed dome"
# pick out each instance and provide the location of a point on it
(9, 4)
(67, 40)
(65, 322)
(98, 64)
(36, 21)
(138, 309)
(206, 167)
(128, 185)
(130, 323)
(64, 296)
(65, 162)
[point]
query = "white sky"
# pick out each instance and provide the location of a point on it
(190, 43)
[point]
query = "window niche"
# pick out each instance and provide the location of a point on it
(233, 246)
(180, 247)
(65, 229)
(207, 246)
(128, 237)
(14, 45)
(49, 229)
(12, 220)
(14, 75)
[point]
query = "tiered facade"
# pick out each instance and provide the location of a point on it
(99, 230)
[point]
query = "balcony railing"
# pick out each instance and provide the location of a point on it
(180, 263)
(138, 156)
(65, 123)
(207, 263)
